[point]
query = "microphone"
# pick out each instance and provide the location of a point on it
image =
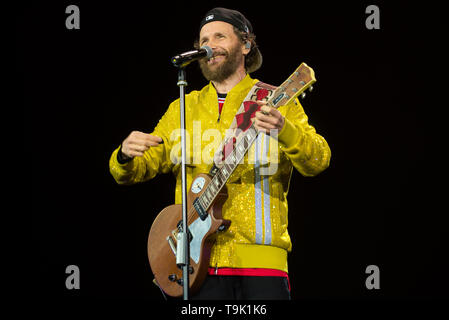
(184, 59)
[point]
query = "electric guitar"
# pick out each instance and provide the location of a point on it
(205, 199)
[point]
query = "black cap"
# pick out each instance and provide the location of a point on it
(233, 17)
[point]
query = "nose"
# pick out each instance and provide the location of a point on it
(213, 45)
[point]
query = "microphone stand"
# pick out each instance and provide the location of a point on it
(183, 247)
(183, 243)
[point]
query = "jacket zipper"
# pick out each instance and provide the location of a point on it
(218, 105)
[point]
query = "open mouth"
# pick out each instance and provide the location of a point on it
(217, 58)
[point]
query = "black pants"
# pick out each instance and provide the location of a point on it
(243, 288)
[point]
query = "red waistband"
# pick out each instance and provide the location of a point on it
(255, 272)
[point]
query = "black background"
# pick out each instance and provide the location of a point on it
(85, 90)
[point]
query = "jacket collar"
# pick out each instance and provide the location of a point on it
(240, 88)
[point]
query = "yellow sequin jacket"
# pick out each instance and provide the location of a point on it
(257, 202)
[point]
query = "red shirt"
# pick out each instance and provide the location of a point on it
(221, 101)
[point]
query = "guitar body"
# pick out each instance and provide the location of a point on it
(162, 240)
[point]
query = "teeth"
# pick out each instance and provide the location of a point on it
(214, 57)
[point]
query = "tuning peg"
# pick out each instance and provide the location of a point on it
(311, 88)
(303, 95)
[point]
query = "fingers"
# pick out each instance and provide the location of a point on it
(263, 107)
(131, 153)
(260, 126)
(145, 138)
(148, 142)
(138, 142)
(268, 118)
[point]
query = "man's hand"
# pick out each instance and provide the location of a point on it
(137, 143)
(268, 118)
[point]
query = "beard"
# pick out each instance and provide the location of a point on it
(223, 69)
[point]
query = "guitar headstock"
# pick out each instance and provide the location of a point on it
(295, 85)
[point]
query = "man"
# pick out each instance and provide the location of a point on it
(249, 260)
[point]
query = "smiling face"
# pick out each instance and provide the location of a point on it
(229, 51)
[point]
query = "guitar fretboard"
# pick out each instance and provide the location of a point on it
(229, 165)
(296, 84)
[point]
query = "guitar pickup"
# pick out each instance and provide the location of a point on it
(199, 209)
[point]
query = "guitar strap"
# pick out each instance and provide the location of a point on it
(242, 120)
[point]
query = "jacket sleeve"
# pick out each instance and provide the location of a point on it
(307, 150)
(155, 160)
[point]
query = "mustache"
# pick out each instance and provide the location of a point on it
(219, 52)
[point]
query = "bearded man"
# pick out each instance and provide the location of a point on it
(249, 259)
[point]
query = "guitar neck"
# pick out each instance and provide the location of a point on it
(229, 164)
(296, 84)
